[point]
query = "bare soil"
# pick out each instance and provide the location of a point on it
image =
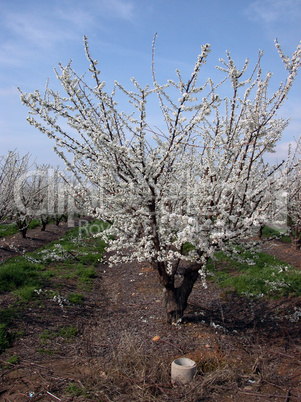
(246, 350)
(284, 252)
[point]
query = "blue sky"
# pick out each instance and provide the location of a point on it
(37, 34)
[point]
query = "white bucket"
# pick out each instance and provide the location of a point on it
(183, 370)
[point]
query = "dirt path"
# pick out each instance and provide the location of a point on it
(284, 252)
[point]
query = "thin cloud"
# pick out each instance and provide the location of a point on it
(31, 32)
(274, 11)
(34, 29)
(118, 9)
(30, 35)
(11, 54)
(76, 17)
(9, 91)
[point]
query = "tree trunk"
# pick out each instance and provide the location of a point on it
(22, 226)
(295, 235)
(23, 232)
(176, 298)
(260, 233)
(296, 243)
(44, 224)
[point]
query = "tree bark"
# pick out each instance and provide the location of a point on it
(176, 298)
(260, 233)
(24, 232)
(296, 242)
(23, 226)
(44, 224)
(295, 233)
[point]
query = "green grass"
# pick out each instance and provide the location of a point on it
(271, 232)
(18, 272)
(8, 229)
(71, 249)
(86, 274)
(254, 274)
(26, 293)
(6, 315)
(75, 298)
(47, 334)
(69, 257)
(75, 390)
(5, 337)
(259, 275)
(35, 223)
(12, 360)
(64, 332)
(48, 352)
(68, 332)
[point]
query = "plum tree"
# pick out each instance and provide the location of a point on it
(12, 167)
(175, 194)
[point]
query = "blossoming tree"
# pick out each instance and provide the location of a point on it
(29, 196)
(175, 194)
(291, 175)
(294, 210)
(12, 167)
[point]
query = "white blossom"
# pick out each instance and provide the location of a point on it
(201, 180)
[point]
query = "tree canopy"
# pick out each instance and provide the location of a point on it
(173, 195)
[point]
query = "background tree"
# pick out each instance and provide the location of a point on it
(12, 167)
(173, 195)
(30, 194)
(292, 185)
(55, 197)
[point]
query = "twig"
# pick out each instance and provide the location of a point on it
(74, 256)
(288, 395)
(296, 375)
(55, 397)
(263, 395)
(286, 355)
(171, 344)
(273, 384)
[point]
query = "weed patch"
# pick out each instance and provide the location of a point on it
(19, 272)
(255, 275)
(47, 334)
(12, 360)
(75, 390)
(269, 232)
(26, 293)
(48, 352)
(75, 298)
(5, 338)
(8, 229)
(86, 274)
(71, 257)
(68, 332)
